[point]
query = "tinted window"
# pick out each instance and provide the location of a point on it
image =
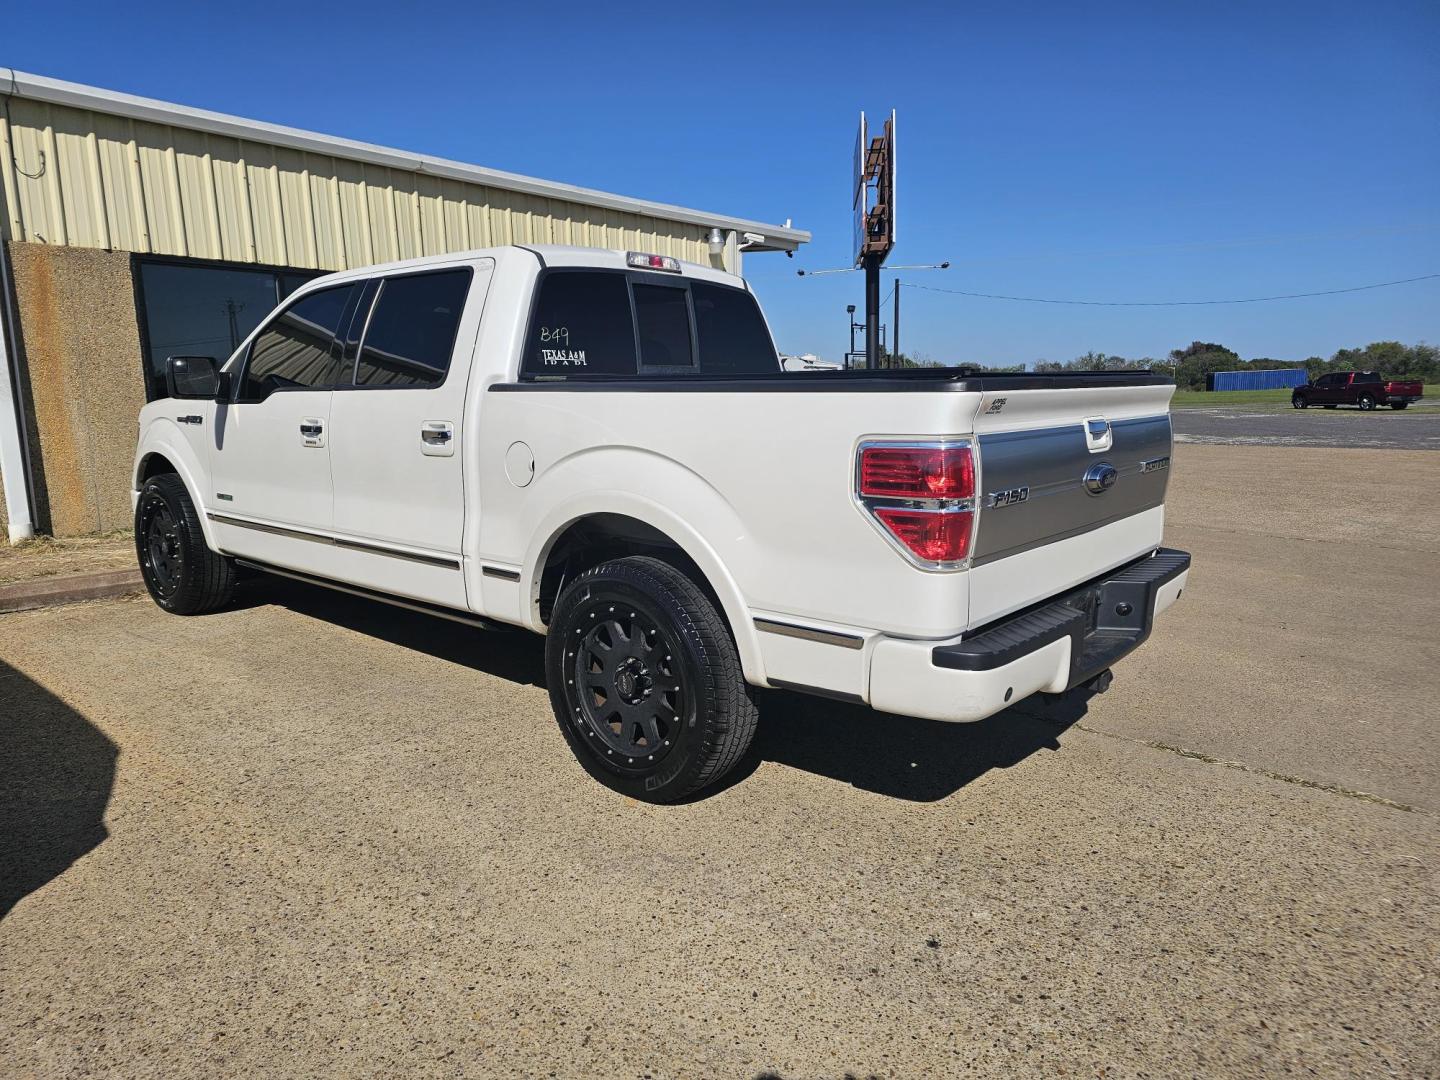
(298, 347)
(581, 325)
(412, 330)
(663, 319)
(1367, 376)
(733, 335)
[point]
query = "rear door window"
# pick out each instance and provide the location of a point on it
(662, 318)
(297, 349)
(733, 336)
(411, 334)
(581, 326)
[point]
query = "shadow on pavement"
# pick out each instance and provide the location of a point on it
(56, 772)
(898, 756)
(514, 655)
(901, 756)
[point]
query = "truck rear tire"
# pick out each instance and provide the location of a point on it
(646, 682)
(181, 572)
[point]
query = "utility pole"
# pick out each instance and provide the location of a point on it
(232, 309)
(895, 328)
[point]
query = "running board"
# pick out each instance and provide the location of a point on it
(422, 606)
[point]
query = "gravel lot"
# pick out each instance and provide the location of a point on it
(311, 836)
(1415, 428)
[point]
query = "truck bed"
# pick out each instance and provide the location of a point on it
(927, 380)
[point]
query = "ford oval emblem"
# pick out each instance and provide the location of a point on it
(1101, 477)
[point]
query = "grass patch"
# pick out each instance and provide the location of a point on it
(45, 556)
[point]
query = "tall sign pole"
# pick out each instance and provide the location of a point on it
(872, 311)
(874, 221)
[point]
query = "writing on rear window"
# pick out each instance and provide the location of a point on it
(562, 357)
(559, 354)
(581, 325)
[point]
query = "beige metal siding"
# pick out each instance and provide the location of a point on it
(89, 179)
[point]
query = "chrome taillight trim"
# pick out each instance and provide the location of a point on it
(868, 504)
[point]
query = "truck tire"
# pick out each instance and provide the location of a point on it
(1398, 405)
(181, 572)
(1297, 401)
(1366, 402)
(645, 681)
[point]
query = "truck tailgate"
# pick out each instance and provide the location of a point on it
(1071, 484)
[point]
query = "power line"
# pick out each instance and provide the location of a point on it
(1171, 303)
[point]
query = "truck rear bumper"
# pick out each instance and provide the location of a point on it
(1052, 647)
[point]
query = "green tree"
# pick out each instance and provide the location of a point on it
(1198, 360)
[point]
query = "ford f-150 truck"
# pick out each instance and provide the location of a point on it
(601, 447)
(1366, 389)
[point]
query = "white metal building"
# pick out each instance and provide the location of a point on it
(134, 228)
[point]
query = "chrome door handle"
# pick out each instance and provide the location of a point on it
(311, 429)
(437, 438)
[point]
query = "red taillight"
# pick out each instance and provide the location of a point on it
(932, 536)
(917, 472)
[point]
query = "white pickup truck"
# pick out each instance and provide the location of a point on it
(601, 447)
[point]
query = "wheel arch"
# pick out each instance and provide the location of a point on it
(628, 525)
(167, 451)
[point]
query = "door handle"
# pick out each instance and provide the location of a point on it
(312, 431)
(437, 438)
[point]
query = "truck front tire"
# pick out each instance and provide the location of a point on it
(646, 682)
(181, 572)
(1366, 402)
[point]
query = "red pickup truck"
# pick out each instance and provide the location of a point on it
(1366, 389)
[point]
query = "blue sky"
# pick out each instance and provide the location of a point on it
(1089, 151)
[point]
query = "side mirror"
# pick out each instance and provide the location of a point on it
(192, 377)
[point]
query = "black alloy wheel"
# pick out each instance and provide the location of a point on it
(162, 557)
(625, 684)
(180, 571)
(645, 680)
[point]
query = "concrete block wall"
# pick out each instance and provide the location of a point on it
(82, 377)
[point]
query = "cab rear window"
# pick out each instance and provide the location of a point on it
(601, 322)
(581, 326)
(733, 335)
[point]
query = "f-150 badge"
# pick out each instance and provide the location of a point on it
(1007, 498)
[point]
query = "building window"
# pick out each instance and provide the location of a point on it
(192, 308)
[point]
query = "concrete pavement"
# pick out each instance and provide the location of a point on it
(314, 836)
